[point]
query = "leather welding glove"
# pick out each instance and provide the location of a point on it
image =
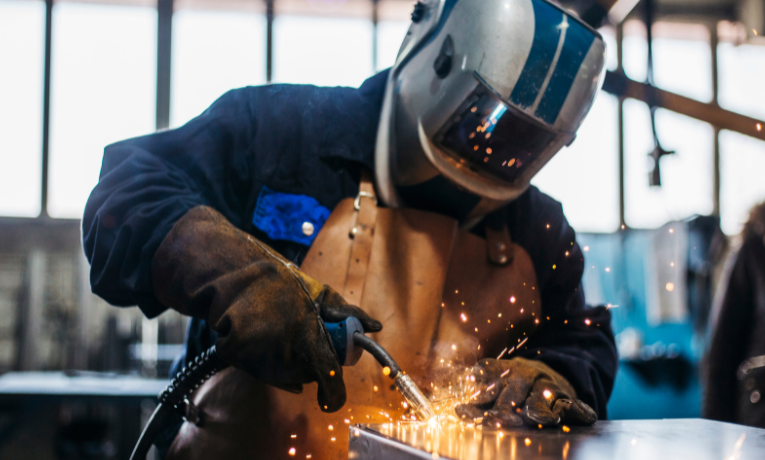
(268, 314)
(514, 391)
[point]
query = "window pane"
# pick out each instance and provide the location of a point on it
(741, 70)
(585, 176)
(390, 35)
(22, 36)
(322, 51)
(213, 52)
(635, 50)
(742, 162)
(103, 90)
(686, 176)
(682, 60)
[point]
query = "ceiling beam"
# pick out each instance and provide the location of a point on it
(619, 85)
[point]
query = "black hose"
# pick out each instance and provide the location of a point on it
(378, 352)
(172, 401)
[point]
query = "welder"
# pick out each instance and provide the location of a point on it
(405, 203)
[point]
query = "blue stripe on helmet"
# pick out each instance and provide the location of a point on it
(575, 48)
(547, 18)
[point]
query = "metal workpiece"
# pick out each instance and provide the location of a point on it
(679, 439)
(417, 401)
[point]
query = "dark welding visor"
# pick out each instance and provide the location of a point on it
(494, 138)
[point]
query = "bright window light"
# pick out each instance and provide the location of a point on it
(742, 162)
(683, 67)
(322, 51)
(390, 35)
(213, 52)
(103, 91)
(634, 50)
(22, 36)
(585, 176)
(686, 176)
(682, 61)
(741, 70)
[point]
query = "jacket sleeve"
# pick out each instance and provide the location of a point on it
(573, 339)
(148, 183)
(730, 339)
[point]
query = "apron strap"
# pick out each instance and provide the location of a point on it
(362, 234)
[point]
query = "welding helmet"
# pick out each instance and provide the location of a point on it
(482, 95)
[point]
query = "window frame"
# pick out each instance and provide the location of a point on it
(163, 85)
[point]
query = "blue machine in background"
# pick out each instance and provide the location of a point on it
(659, 284)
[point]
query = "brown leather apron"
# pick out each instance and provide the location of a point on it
(445, 297)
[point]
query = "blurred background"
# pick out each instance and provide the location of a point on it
(78, 75)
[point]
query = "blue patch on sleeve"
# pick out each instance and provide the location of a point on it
(282, 215)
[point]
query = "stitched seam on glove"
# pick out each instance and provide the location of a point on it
(292, 267)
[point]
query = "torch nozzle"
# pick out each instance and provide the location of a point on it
(414, 397)
(404, 383)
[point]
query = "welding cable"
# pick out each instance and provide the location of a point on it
(174, 400)
(378, 352)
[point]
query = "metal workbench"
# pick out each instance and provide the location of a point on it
(677, 439)
(31, 406)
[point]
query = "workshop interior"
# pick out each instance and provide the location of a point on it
(209, 205)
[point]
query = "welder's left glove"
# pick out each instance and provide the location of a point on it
(514, 391)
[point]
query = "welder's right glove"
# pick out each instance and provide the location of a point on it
(513, 391)
(269, 315)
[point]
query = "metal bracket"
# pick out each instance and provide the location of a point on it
(357, 201)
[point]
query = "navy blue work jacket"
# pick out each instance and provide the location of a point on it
(280, 141)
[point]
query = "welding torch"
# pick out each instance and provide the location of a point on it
(349, 341)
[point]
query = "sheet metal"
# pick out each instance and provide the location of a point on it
(624, 440)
